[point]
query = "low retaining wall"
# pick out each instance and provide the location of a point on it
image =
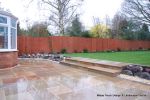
(8, 59)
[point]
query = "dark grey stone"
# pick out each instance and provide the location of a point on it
(144, 75)
(53, 57)
(127, 72)
(46, 57)
(146, 69)
(134, 68)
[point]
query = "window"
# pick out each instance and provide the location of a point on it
(3, 20)
(13, 38)
(3, 37)
(13, 22)
(8, 32)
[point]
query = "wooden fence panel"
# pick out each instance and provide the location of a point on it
(99, 44)
(29, 45)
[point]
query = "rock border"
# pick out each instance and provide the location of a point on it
(137, 73)
(52, 57)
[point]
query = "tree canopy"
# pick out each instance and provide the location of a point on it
(100, 31)
(76, 27)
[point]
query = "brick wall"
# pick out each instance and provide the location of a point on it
(8, 59)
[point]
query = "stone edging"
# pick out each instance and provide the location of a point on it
(134, 78)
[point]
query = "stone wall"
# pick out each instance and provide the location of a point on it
(8, 59)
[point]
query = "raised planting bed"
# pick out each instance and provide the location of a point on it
(137, 71)
(52, 57)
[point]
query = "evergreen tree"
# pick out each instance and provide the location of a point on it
(76, 28)
(144, 33)
(130, 30)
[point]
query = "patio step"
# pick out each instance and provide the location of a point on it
(99, 69)
(94, 62)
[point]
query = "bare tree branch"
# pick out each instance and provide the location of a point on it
(29, 3)
(62, 12)
(138, 9)
(50, 3)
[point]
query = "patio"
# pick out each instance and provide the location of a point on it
(46, 80)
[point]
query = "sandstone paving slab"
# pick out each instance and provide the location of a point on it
(24, 73)
(20, 96)
(59, 82)
(60, 89)
(2, 94)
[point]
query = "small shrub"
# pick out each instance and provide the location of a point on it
(109, 51)
(140, 48)
(75, 51)
(63, 51)
(148, 48)
(118, 49)
(85, 51)
(130, 49)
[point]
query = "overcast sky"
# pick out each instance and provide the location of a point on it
(90, 8)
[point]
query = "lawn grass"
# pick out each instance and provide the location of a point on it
(136, 57)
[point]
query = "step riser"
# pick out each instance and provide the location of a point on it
(108, 66)
(93, 70)
(75, 66)
(105, 73)
(94, 64)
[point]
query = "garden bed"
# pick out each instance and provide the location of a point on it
(52, 57)
(137, 73)
(137, 70)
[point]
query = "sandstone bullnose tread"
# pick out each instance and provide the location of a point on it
(107, 71)
(101, 63)
(110, 68)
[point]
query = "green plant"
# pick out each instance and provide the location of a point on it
(140, 48)
(108, 50)
(118, 49)
(64, 51)
(85, 51)
(75, 51)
